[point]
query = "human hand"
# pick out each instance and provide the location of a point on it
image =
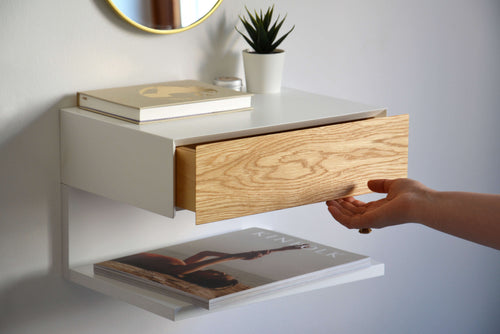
(401, 205)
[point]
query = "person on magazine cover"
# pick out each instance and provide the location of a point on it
(189, 269)
(471, 216)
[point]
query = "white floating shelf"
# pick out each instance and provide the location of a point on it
(175, 309)
(134, 164)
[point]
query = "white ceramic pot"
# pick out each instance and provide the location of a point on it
(263, 72)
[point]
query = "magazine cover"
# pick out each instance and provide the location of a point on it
(224, 268)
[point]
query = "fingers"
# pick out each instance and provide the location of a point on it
(344, 217)
(380, 186)
(354, 201)
(353, 213)
(347, 211)
(349, 215)
(352, 206)
(330, 202)
(351, 200)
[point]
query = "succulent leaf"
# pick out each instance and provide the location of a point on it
(262, 31)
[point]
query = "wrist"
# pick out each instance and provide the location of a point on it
(427, 206)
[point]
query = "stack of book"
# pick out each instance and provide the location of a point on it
(163, 101)
(230, 267)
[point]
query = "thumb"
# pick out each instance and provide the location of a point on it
(380, 186)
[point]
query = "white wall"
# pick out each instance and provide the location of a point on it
(436, 60)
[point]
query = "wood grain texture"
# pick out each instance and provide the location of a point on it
(185, 175)
(264, 173)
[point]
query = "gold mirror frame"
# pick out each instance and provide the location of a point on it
(160, 31)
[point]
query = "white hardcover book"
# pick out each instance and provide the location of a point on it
(163, 101)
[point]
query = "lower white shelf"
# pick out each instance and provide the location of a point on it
(175, 309)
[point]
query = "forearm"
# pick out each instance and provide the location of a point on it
(471, 216)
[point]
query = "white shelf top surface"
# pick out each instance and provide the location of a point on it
(290, 109)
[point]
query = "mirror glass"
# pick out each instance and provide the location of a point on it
(164, 16)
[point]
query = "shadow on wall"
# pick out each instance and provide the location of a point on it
(29, 196)
(44, 299)
(220, 59)
(30, 227)
(217, 47)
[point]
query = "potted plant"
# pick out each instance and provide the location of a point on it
(264, 65)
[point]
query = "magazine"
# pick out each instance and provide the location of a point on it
(225, 268)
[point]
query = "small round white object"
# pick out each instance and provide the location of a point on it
(228, 82)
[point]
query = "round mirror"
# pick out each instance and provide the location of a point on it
(164, 16)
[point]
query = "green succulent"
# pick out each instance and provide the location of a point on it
(261, 33)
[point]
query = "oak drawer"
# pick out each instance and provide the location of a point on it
(251, 175)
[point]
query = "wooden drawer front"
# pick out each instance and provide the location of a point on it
(246, 176)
